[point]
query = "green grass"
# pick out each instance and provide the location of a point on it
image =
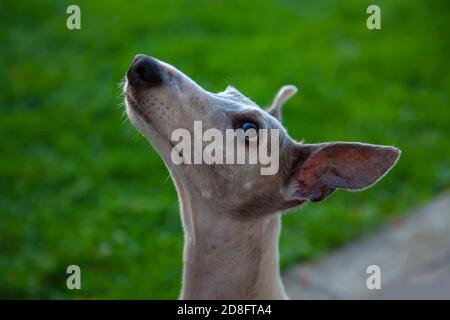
(79, 186)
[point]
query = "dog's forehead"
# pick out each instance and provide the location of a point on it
(237, 106)
(233, 100)
(233, 94)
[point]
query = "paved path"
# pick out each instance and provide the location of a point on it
(413, 256)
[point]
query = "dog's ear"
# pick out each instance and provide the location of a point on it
(282, 96)
(329, 166)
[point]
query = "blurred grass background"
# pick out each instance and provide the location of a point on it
(79, 186)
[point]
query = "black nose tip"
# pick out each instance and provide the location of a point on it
(144, 69)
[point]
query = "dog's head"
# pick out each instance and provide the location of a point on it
(184, 123)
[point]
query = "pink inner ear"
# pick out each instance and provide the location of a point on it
(351, 166)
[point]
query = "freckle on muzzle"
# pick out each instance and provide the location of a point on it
(144, 71)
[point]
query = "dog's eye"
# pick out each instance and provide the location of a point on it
(248, 125)
(250, 130)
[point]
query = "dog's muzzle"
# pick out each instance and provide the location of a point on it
(144, 70)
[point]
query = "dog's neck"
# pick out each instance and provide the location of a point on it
(225, 258)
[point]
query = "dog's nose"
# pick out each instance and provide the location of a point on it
(144, 69)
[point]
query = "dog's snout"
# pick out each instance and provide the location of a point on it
(144, 70)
